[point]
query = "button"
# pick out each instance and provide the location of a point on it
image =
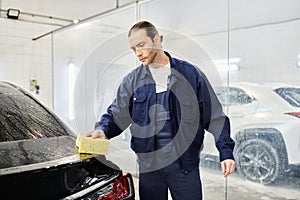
(184, 171)
(134, 98)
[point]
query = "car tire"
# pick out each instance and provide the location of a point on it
(258, 161)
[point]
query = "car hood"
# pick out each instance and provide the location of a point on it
(24, 155)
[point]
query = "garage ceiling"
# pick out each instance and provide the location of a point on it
(243, 13)
(69, 9)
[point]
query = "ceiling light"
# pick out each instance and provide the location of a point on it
(13, 13)
(230, 60)
(231, 64)
(233, 67)
(75, 21)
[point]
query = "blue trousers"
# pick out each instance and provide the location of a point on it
(183, 186)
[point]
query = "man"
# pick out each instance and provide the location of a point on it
(168, 103)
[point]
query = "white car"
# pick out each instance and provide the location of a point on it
(265, 124)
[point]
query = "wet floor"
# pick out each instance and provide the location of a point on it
(238, 189)
(214, 184)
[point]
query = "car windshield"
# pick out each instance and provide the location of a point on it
(231, 96)
(291, 95)
(22, 117)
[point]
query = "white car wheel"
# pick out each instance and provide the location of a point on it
(257, 160)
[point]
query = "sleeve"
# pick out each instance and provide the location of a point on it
(117, 117)
(214, 120)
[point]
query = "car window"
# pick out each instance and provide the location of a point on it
(22, 117)
(291, 95)
(231, 96)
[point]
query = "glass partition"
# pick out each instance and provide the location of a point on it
(188, 31)
(90, 61)
(249, 51)
(263, 97)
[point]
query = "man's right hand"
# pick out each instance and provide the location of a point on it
(95, 134)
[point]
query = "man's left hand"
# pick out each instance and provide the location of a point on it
(228, 167)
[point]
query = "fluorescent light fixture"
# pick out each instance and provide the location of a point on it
(233, 67)
(231, 64)
(225, 61)
(13, 13)
(71, 69)
(75, 21)
(225, 67)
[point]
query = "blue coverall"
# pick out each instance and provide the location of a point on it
(194, 108)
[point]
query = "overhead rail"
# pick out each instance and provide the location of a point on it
(116, 8)
(15, 14)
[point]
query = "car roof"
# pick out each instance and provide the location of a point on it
(265, 93)
(271, 85)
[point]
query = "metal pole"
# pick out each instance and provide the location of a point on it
(226, 187)
(137, 10)
(228, 77)
(228, 43)
(137, 18)
(53, 72)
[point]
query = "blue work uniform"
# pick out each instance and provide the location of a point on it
(194, 108)
(155, 184)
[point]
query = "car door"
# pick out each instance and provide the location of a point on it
(239, 106)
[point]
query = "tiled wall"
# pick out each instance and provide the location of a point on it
(21, 58)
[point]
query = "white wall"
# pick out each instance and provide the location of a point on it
(94, 48)
(271, 48)
(265, 35)
(21, 58)
(262, 37)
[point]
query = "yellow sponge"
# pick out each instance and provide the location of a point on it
(92, 146)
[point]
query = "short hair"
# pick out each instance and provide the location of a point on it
(149, 28)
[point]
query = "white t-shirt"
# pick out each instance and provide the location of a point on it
(160, 76)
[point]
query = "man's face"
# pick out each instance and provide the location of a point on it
(143, 46)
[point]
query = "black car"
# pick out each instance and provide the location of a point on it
(38, 158)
